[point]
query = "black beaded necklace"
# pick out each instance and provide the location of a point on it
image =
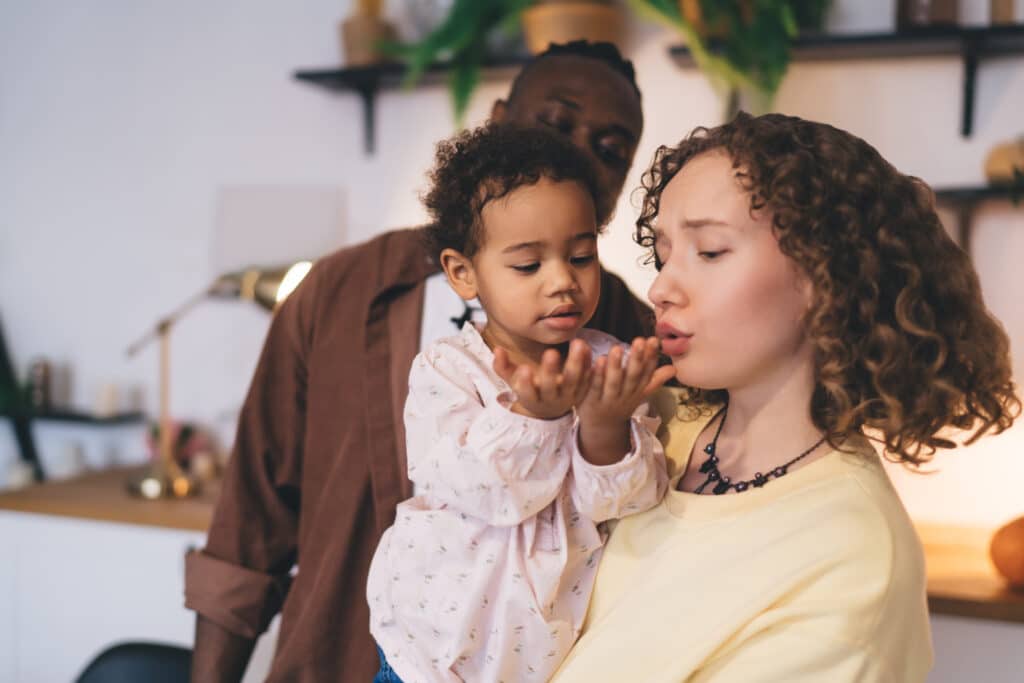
(722, 483)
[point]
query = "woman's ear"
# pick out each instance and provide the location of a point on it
(459, 270)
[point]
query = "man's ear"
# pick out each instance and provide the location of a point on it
(499, 110)
(459, 270)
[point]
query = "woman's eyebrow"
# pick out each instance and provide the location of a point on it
(697, 223)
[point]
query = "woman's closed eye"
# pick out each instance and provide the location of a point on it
(712, 255)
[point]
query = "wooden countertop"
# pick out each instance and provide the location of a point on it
(961, 579)
(104, 496)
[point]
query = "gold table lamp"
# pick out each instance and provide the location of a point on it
(268, 287)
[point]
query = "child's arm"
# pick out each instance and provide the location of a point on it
(481, 459)
(635, 483)
(618, 463)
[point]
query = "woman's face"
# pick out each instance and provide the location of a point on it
(729, 303)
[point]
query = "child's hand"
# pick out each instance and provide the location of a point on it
(551, 389)
(613, 396)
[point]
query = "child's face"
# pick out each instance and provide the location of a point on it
(536, 272)
(729, 303)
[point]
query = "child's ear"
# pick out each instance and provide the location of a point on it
(459, 270)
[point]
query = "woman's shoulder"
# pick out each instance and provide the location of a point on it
(860, 515)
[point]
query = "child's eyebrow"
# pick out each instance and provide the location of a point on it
(521, 246)
(536, 244)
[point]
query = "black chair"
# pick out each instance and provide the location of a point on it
(139, 663)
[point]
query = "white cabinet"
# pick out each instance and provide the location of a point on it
(71, 587)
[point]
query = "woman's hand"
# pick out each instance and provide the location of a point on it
(551, 389)
(613, 396)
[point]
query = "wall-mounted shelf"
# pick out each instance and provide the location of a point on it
(21, 420)
(78, 417)
(963, 201)
(367, 81)
(970, 44)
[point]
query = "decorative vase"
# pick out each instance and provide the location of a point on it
(912, 14)
(1005, 161)
(561, 22)
(360, 34)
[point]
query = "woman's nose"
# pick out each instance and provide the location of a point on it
(666, 289)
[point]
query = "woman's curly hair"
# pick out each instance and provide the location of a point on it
(903, 343)
(487, 163)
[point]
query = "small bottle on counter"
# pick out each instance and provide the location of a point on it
(40, 378)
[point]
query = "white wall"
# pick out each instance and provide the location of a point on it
(121, 120)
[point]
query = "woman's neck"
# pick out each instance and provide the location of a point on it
(768, 425)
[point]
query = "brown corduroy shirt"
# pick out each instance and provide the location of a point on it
(319, 460)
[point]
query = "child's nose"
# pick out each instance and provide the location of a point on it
(562, 279)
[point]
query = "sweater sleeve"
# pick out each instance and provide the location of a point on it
(634, 484)
(479, 458)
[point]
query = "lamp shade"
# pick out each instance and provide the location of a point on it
(266, 286)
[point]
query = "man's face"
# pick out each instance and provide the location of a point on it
(592, 105)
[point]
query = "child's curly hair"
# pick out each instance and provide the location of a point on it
(487, 163)
(904, 344)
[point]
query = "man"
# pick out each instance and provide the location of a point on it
(319, 459)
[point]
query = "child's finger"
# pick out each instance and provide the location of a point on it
(524, 385)
(503, 365)
(597, 377)
(661, 375)
(548, 379)
(633, 377)
(575, 366)
(613, 374)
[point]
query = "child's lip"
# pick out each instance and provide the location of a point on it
(563, 310)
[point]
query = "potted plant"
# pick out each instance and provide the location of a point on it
(742, 46)
(462, 38)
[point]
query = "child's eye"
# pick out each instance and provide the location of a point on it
(710, 255)
(527, 267)
(582, 260)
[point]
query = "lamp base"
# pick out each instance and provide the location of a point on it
(156, 484)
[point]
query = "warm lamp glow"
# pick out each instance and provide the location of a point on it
(292, 279)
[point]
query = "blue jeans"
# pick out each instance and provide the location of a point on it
(386, 674)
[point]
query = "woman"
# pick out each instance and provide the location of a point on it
(811, 304)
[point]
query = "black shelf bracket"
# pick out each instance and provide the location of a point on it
(367, 81)
(963, 201)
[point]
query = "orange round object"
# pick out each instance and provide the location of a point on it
(1007, 552)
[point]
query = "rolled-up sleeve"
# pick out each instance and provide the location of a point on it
(240, 579)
